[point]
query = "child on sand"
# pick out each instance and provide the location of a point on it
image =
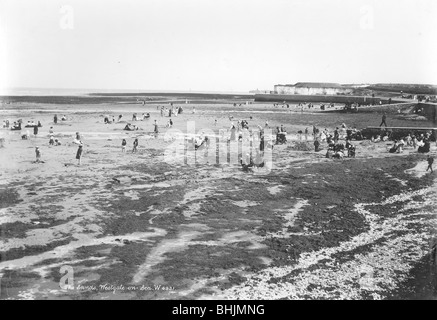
(155, 130)
(430, 162)
(134, 150)
(51, 140)
(123, 145)
(38, 155)
(79, 153)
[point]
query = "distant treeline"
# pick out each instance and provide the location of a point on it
(425, 89)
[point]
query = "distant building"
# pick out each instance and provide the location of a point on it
(312, 88)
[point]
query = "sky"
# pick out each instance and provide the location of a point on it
(215, 45)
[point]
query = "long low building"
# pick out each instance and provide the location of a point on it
(312, 88)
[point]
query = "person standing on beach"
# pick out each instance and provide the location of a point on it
(155, 129)
(384, 117)
(336, 135)
(55, 119)
(35, 130)
(123, 145)
(38, 155)
(79, 153)
(316, 145)
(51, 140)
(134, 150)
(430, 162)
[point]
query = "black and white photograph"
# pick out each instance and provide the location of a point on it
(197, 150)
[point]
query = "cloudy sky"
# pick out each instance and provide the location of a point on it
(215, 45)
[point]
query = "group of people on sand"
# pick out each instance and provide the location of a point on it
(339, 150)
(134, 127)
(55, 118)
(170, 111)
(16, 125)
(135, 117)
(281, 135)
(30, 124)
(336, 148)
(302, 105)
(421, 142)
(56, 142)
(135, 145)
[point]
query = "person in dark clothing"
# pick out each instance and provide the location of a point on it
(384, 117)
(55, 119)
(79, 153)
(433, 137)
(430, 162)
(261, 144)
(35, 130)
(425, 148)
(349, 134)
(336, 135)
(155, 126)
(38, 154)
(135, 145)
(316, 145)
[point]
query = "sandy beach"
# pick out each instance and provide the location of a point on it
(134, 226)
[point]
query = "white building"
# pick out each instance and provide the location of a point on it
(312, 88)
